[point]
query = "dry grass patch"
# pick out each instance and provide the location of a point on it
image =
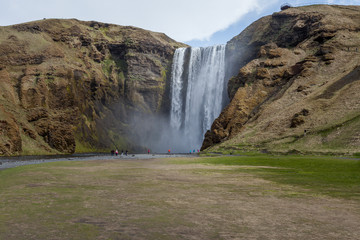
(165, 199)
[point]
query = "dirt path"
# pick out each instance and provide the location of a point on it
(157, 199)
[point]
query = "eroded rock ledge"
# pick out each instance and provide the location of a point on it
(69, 85)
(283, 64)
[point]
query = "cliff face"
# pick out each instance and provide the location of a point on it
(69, 85)
(295, 84)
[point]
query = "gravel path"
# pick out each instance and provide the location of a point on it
(11, 162)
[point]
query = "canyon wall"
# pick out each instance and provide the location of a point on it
(71, 86)
(294, 84)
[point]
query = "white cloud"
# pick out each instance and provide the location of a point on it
(189, 19)
(182, 20)
(337, 2)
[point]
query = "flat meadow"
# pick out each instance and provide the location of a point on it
(220, 197)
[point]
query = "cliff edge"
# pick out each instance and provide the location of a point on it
(295, 84)
(71, 86)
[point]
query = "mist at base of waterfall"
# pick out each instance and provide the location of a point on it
(197, 97)
(155, 133)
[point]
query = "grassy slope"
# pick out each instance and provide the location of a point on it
(330, 94)
(332, 139)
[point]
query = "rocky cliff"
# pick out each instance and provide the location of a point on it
(295, 83)
(68, 85)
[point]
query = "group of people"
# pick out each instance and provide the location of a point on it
(193, 151)
(116, 152)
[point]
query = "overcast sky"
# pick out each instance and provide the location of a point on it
(196, 22)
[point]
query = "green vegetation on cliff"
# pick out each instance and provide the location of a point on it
(76, 85)
(294, 84)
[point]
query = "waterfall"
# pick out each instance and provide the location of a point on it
(197, 89)
(176, 87)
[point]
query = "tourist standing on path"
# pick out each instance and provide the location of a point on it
(116, 152)
(148, 151)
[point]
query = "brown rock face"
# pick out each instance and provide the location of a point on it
(10, 137)
(293, 72)
(299, 118)
(68, 85)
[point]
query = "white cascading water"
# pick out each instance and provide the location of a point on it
(176, 84)
(196, 94)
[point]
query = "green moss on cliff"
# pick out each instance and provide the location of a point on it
(85, 147)
(31, 147)
(107, 66)
(129, 42)
(162, 89)
(121, 76)
(117, 140)
(69, 67)
(121, 65)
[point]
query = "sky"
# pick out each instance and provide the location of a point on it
(195, 22)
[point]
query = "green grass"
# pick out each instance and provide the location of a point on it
(238, 149)
(357, 154)
(325, 175)
(43, 193)
(130, 199)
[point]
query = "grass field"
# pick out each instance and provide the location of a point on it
(338, 177)
(252, 197)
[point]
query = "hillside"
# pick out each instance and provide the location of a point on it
(295, 84)
(70, 86)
